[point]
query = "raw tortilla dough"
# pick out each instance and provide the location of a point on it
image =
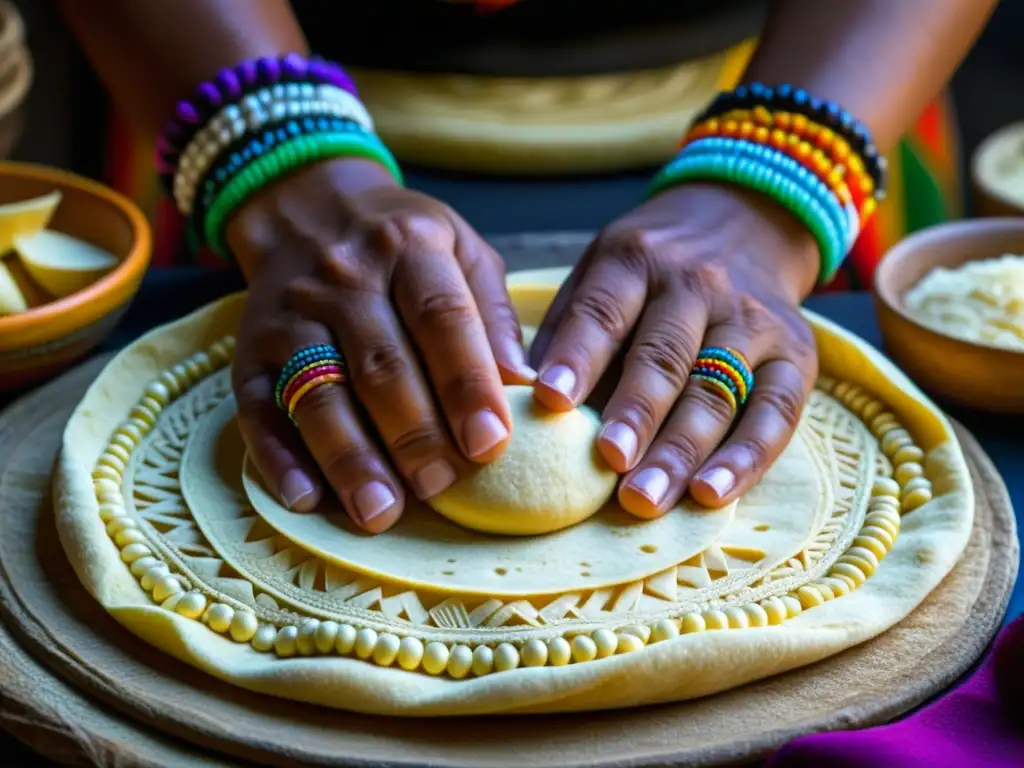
(867, 511)
(550, 476)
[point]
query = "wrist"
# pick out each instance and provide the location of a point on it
(755, 228)
(250, 231)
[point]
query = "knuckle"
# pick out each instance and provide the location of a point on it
(600, 306)
(755, 317)
(683, 449)
(445, 310)
(418, 440)
(786, 402)
(346, 464)
(502, 314)
(756, 449)
(470, 385)
(640, 411)
(709, 397)
(252, 394)
(664, 349)
(705, 279)
(632, 248)
(408, 231)
(379, 364)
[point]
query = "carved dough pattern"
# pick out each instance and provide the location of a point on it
(285, 599)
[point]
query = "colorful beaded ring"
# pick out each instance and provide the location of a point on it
(307, 369)
(727, 369)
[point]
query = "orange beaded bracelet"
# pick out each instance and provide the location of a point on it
(816, 147)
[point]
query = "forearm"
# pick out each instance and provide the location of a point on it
(151, 54)
(882, 60)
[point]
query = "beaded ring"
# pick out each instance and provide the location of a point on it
(727, 368)
(307, 359)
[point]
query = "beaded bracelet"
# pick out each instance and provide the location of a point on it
(752, 174)
(787, 98)
(282, 160)
(201, 153)
(798, 137)
(231, 84)
(843, 217)
(270, 104)
(236, 156)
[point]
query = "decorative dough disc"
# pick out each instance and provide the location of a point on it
(867, 510)
(425, 549)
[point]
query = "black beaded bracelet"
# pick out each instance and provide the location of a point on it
(787, 98)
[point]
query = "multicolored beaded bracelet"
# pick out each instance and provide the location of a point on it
(233, 83)
(815, 145)
(234, 158)
(843, 217)
(250, 116)
(754, 175)
(284, 159)
(788, 98)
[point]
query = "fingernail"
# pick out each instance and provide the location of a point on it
(623, 439)
(435, 477)
(651, 483)
(373, 499)
(483, 431)
(516, 356)
(720, 480)
(561, 379)
(295, 486)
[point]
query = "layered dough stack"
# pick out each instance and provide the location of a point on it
(39, 265)
(532, 591)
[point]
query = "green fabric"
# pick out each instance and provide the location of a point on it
(924, 203)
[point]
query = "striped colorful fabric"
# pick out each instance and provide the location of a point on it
(924, 184)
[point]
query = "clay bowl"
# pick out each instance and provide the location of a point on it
(972, 375)
(45, 340)
(997, 173)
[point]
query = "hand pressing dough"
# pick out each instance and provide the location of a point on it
(549, 478)
(63, 264)
(26, 218)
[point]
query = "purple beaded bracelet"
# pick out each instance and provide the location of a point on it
(230, 85)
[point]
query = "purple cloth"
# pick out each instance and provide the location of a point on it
(978, 725)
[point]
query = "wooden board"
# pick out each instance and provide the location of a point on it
(91, 693)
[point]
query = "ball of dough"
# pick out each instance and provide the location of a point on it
(550, 476)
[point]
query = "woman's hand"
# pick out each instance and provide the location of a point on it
(697, 266)
(416, 303)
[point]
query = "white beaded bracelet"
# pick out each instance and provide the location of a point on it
(249, 116)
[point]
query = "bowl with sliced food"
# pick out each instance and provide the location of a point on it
(72, 255)
(950, 305)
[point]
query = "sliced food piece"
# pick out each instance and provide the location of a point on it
(62, 264)
(34, 294)
(12, 300)
(26, 218)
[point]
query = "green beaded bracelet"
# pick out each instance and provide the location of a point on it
(751, 175)
(282, 160)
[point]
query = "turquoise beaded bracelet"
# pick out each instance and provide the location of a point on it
(282, 160)
(844, 218)
(754, 175)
